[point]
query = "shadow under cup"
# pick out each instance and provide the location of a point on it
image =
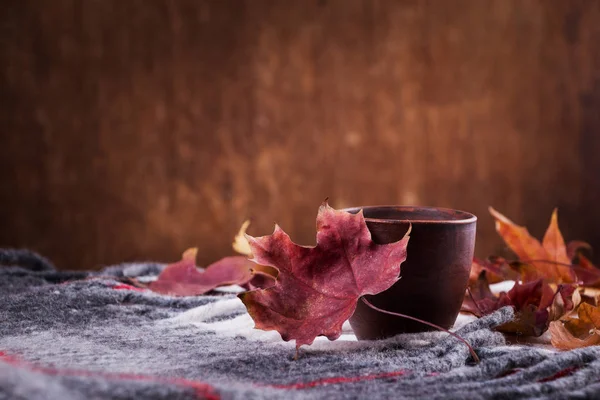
(434, 276)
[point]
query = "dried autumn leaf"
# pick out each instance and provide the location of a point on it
(497, 270)
(535, 304)
(184, 279)
(549, 257)
(590, 295)
(480, 300)
(240, 243)
(554, 243)
(531, 302)
(264, 276)
(586, 275)
(527, 272)
(565, 300)
(577, 332)
(518, 238)
(318, 287)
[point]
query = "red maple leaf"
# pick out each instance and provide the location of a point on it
(317, 288)
(549, 258)
(184, 279)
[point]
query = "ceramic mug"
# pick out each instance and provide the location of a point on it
(434, 277)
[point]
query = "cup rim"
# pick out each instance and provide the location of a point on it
(468, 218)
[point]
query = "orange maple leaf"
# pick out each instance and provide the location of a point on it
(549, 258)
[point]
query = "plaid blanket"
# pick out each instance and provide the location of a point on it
(89, 335)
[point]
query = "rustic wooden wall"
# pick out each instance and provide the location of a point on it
(132, 129)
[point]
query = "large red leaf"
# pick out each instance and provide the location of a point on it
(318, 287)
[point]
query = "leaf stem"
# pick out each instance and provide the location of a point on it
(473, 354)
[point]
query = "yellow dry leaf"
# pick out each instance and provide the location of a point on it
(240, 243)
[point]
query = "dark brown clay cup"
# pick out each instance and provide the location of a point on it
(434, 277)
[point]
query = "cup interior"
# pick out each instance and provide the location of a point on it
(423, 215)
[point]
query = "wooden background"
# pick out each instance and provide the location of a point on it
(133, 129)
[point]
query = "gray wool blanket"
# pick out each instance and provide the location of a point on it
(90, 335)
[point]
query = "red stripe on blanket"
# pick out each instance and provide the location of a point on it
(124, 286)
(203, 390)
(340, 379)
(560, 374)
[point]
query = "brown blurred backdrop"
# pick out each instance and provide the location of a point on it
(132, 129)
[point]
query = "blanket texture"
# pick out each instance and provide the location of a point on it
(88, 335)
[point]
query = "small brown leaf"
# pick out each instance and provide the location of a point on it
(577, 332)
(566, 299)
(240, 243)
(590, 295)
(264, 276)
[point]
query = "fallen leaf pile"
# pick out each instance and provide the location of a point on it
(553, 280)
